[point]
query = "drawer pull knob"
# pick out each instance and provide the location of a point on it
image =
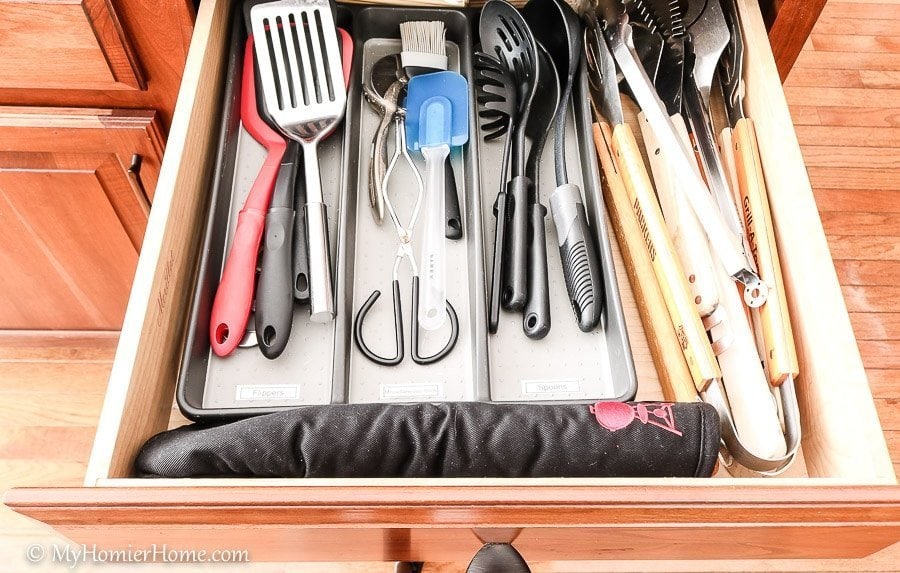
(494, 557)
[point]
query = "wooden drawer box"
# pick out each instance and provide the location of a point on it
(840, 499)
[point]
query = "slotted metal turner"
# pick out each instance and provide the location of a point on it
(299, 57)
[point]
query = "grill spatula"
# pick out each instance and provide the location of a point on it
(302, 79)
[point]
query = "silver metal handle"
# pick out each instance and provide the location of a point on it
(321, 286)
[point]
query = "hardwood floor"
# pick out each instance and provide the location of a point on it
(844, 93)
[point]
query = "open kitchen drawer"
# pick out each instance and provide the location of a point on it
(840, 499)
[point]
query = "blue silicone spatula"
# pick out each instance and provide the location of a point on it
(437, 118)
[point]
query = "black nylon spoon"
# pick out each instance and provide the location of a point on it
(536, 320)
(558, 28)
(496, 97)
(506, 35)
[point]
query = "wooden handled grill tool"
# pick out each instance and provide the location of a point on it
(621, 158)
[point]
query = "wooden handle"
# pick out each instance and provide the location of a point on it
(673, 285)
(665, 349)
(778, 337)
(684, 228)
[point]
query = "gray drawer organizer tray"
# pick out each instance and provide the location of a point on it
(321, 364)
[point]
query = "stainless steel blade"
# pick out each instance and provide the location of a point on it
(602, 77)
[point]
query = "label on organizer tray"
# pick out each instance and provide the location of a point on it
(412, 391)
(267, 392)
(569, 386)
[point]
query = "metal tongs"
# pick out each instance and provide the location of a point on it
(613, 37)
(404, 251)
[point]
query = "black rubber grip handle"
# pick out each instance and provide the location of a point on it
(580, 263)
(274, 295)
(500, 212)
(453, 229)
(515, 262)
(536, 322)
(300, 250)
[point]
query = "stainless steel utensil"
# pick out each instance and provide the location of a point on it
(382, 91)
(618, 34)
(300, 66)
(702, 41)
(404, 251)
(687, 233)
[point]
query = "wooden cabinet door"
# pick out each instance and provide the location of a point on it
(79, 44)
(72, 215)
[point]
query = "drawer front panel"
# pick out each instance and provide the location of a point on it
(65, 45)
(288, 544)
(438, 523)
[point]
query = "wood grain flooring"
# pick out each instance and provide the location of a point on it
(845, 100)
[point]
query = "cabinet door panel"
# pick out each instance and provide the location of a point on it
(69, 257)
(72, 219)
(48, 44)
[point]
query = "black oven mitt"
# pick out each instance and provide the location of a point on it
(451, 439)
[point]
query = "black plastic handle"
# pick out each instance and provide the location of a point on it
(515, 269)
(500, 212)
(580, 263)
(274, 295)
(536, 322)
(300, 264)
(453, 229)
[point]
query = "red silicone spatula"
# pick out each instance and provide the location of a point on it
(231, 307)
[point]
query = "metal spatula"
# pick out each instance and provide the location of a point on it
(302, 79)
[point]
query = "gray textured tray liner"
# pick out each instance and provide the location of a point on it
(322, 365)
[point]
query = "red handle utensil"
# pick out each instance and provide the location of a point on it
(234, 297)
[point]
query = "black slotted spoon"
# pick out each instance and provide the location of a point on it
(496, 98)
(506, 35)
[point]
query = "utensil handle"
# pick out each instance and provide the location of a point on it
(321, 286)
(453, 226)
(536, 322)
(378, 167)
(684, 228)
(673, 285)
(515, 269)
(300, 249)
(580, 263)
(665, 348)
(500, 212)
(778, 336)
(433, 303)
(274, 293)
(234, 297)
(753, 406)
